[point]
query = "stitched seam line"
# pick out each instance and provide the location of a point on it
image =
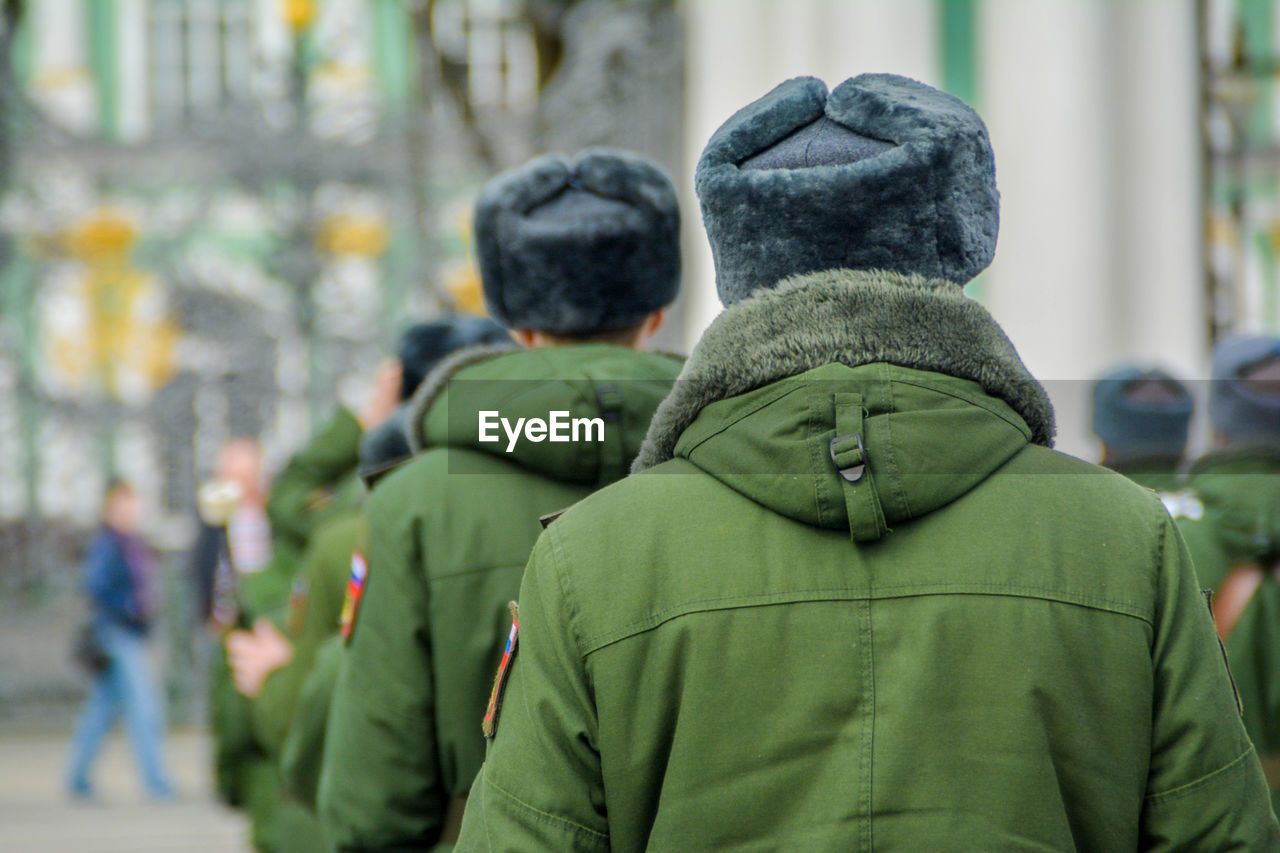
(815, 459)
(773, 398)
(896, 480)
(1192, 787)
(604, 638)
(554, 820)
(557, 559)
(1020, 425)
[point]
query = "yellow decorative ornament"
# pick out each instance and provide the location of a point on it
(298, 14)
(462, 283)
(114, 331)
(461, 279)
(349, 234)
(104, 236)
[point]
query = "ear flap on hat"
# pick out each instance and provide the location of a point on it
(639, 184)
(788, 107)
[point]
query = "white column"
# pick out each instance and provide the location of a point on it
(58, 27)
(134, 74)
(1162, 284)
(61, 82)
(1045, 94)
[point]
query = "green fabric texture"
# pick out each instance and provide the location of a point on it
(303, 749)
(318, 483)
(321, 581)
(449, 534)
(1237, 501)
(975, 643)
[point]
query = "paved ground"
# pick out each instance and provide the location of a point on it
(37, 817)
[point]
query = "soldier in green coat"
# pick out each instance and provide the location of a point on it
(1232, 527)
(1142, 416)
(317, 486)
(579, 257)
(275, 663)
(853, 600)
(294, 695)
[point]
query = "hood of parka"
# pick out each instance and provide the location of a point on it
(1240, 491)
(909, 441)
(620, 386)
(856, 398)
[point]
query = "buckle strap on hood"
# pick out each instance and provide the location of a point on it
(858, 484)
(849, 317)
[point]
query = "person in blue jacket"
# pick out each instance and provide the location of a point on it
(119, 581)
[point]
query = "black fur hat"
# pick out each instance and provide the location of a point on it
(883, 173)
(423, 345)
(384, 448)
(576, 246)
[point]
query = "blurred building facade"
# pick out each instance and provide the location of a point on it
(217, 215)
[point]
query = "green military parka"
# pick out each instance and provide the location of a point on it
(449, 535)
(862, 606)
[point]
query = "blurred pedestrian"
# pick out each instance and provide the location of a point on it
(119, 578)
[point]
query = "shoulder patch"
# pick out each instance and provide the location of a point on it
(319, 498)
(1183, 504)
(355, 591)
(490, 724)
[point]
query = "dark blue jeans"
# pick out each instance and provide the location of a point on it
(126, 689)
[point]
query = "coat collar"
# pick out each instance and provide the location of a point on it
(852, 318)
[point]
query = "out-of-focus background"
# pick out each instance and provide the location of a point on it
(215, 215)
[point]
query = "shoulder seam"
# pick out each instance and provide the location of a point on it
(562, 580)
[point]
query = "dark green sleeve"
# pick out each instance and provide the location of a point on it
(231, 725)
(303, 750)
(541, 786)
(321, 582)
(1205, 789)
(380, 787)
(308, 483)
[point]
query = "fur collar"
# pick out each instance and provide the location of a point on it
(853, 318)
(435, 383)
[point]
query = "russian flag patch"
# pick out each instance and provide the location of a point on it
(490, 725)
(355, 591)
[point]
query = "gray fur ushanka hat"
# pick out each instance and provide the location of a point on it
(883, 173)
(1247, 416)
(1133, 428)
(577, 246)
